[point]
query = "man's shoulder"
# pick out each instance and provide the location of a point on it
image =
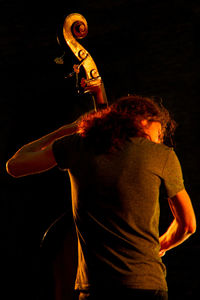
(161, 151)
(153, 153)
(148, 145)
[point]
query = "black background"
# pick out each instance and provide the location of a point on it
(147, 47)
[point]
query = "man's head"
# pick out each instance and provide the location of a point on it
(150, 118)
(131, 116)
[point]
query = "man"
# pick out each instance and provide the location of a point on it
(117, 161)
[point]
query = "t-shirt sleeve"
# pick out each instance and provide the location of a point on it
(64, 150)
(172, 175)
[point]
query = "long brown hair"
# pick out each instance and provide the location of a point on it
(108, 129)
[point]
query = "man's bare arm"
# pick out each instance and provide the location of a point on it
(183, 225)
(37, 156)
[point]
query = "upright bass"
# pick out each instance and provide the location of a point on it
(60, 237)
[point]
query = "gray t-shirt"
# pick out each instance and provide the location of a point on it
(115, 201)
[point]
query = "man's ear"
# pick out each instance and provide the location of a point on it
(144, 122)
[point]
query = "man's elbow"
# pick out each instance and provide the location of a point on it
(190, 228)
(11, 168)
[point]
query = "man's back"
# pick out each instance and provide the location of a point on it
(115, 199)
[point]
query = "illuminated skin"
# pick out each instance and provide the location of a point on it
(153, 131)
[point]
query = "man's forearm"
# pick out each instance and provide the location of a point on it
(46, 140)
(174, 236)
(37, 157)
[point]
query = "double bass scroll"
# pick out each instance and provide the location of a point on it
(75, 27)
